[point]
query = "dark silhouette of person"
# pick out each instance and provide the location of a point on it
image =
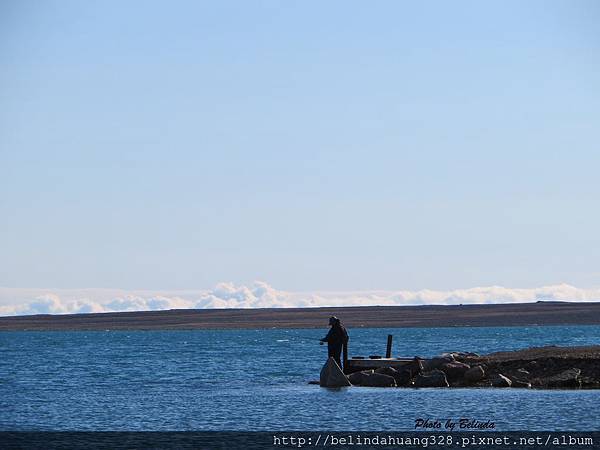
(336, 338)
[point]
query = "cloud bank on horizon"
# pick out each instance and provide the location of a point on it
(21, 301)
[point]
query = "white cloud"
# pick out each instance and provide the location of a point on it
(261, 295)
(137, 303)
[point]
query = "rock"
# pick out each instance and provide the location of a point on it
(501, 381)
(458, 355)
(516, 383)
(520, 378)
(390, 371)
(358, 378)
(403, 378)
(379, 380)
(570, 378)
(532, 365)
(437, 362)
(475, 374)
(332, 375)
(590, 383)
(414, 367)
(435, 378)
(314, 382)
(454, 370)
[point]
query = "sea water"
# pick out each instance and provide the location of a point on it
(258, 380)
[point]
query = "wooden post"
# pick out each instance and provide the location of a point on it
(388, 350)
(345, 357)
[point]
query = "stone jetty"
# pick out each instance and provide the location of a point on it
(534, 368)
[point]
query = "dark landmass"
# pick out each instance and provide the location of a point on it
(522, 314)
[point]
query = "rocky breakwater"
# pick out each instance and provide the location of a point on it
(542, 368)
(538, 368)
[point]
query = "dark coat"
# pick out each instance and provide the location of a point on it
(336, 337)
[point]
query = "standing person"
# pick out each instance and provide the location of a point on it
(336, 338)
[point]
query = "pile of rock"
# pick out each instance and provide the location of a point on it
(441, 371)
(544, 374)
(502, 370)
(374, 378)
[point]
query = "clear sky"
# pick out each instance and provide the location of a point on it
(313, 145)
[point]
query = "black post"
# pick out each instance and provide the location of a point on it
(388, 350)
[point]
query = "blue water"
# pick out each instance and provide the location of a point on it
(257, 380)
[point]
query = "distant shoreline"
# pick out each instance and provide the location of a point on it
(516, 314)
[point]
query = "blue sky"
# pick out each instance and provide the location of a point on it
(313, 145)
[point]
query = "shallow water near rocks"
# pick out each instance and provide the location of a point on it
(257, 380)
